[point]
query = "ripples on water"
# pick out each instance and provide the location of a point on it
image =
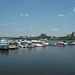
(50, 60)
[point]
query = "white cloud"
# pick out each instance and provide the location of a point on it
(20, 29)
(32, 35)
(4, 24)
(54, 29)
(72, 12)
(26, 14)
(74, 9)
(68, 33)
(13, 24)
(61, 15)
(22, 14)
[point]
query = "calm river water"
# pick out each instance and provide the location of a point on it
(50, 60)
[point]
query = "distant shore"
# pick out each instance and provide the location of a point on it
(41, 38)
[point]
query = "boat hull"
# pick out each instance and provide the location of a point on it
(4, 47)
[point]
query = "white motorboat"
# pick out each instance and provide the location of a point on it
(22, 44)
(37, 43)
(63, 43)
(30, 45)
(3, 44)
(13, 45)
(71, 43)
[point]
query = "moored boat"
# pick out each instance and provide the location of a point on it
(13, 45)
(62, 43)
(37, 43)
(22, 44)
(71, 43)
(4, 44)
(53, 44)
(30, 45)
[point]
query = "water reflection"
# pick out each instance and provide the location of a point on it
(4, 52)
(30, 49)
(50, 60)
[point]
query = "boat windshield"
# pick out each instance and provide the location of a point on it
(3, 41)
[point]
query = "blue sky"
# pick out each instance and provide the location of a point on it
(34, 17)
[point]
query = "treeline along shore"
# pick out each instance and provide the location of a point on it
(41, 37)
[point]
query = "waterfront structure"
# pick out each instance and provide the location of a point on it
(73, 34)
(69, 35)
(43, 35)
